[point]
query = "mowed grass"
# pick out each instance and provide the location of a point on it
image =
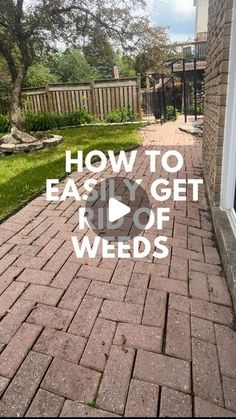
(24, 175)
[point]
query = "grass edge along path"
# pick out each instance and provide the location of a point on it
(23, 176)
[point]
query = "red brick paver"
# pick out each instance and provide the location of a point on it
(106, 338)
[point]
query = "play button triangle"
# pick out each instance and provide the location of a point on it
(116, 210)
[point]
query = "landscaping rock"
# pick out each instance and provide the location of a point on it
(10, 144)
(8, 148)
(21, 136)
(191, 129)
(199, 123)
(9, 139)
(29, 147)
(56, 139)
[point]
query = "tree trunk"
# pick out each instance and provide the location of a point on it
(16, 98)
(17, 136)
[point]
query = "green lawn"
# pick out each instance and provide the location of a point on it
(23, 175)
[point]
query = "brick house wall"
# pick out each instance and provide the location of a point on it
(219, 31)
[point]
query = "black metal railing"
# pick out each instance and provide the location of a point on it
(201, 50)
(196, 49)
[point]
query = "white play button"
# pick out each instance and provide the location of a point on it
(112, 214)
(116, 210)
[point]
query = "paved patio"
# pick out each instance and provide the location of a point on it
(116, 337)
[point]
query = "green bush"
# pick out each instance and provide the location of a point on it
(170, 113)
(45, 121)
(76, 118)
(122, 115)
(200, 109)
(4, 123)
(40, 122)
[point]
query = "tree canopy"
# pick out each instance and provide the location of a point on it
(99, 52)
(38, 74)
(71, 41)
(71, 66)
(30, 27)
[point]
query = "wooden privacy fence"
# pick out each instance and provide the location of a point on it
(97, 97)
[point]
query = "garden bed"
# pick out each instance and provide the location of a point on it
(40, 142)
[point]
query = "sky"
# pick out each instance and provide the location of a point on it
(179, 15)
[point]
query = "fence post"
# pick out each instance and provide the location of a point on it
(139, 95)
(163, 96)
(49, 98)
(93, 97)
(185, 90)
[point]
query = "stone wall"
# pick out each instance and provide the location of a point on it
(219, 31)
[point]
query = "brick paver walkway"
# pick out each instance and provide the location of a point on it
(116, 337)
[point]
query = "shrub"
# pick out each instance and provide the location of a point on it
(76, 118)
(170, 113)
(45, 121)
(122, 115)
(4, 123)
(200, 109)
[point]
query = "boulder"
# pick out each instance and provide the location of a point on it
(25, 147)
(199, 123)
(56, 139)
(38, 145)
(9, 139)
(22, 137)
(10, 143)
(8, 148)
(191, 129)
